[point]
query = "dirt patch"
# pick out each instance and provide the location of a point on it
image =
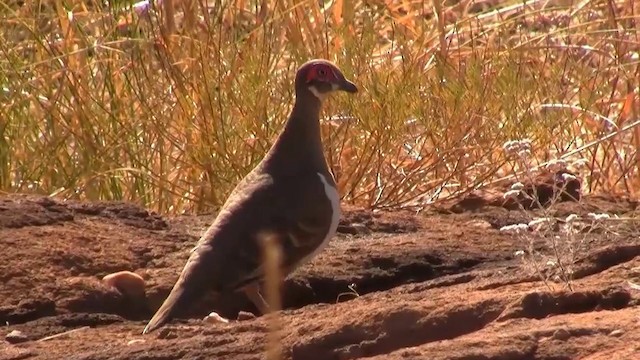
(438, 285)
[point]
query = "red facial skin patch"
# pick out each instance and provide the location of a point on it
(313, 74)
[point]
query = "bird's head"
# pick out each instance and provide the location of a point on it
(320, 78)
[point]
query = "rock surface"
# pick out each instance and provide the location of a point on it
(437, 285)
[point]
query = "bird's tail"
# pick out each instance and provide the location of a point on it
(167, 311)
(186, 290)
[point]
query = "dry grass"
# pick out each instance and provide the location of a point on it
(170, 110)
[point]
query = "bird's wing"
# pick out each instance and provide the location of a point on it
(229, 256)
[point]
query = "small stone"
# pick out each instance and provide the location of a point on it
(360, 228)
(15, 337)
(353, 229)
(128, 283)
(166, 333)
(480, 224)
(135, 341)
(245, 315)
(616, 333)
(215, 318)
(561, 334)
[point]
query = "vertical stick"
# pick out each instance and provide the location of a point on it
(189, 8)
(169, 17)
(273, 281)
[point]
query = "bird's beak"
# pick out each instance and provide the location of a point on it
(348, 86)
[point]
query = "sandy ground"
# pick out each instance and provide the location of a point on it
(441, 284)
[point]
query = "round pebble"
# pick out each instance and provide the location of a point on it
(214, 318)
(616, 333)
(245, 315)
(127, 282)
(16, 336)
(561, 334)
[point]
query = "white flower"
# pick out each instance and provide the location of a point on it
(511, 194)
(551, 263)
(541, 224)
(142, 7)
(519, 253)
(597, 217)
(515, 228)
(568, 177)
(580, 163)
(517, 186)
(520, 147)
(571, 218)
(538, 221)
(509, 145)
(556, 165)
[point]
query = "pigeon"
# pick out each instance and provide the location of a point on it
(290, 195)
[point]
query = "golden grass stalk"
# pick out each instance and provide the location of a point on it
(100, 103)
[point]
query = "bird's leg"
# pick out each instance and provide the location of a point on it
(253, 293)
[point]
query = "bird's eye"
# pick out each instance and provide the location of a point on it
(322, 72)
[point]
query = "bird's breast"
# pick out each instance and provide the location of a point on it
(334, 199)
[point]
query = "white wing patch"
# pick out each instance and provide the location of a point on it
(334, 198)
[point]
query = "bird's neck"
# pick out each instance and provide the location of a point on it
(299, 145)
(303, 126)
